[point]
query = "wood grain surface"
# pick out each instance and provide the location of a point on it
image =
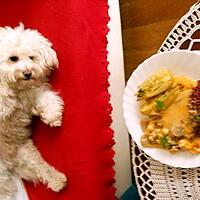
(145, 25)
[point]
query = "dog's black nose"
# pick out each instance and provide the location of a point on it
(27, 75)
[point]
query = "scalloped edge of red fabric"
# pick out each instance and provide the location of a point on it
(109, 132)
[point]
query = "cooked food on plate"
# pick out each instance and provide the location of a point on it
(170, 108)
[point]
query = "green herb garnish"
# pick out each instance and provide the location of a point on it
(197, 118)
(160, 105)
(164, 142)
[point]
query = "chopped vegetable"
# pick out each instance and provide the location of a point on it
(149, 107)
(197, 118)
(155, 84)
(160, 105)
(164, 142)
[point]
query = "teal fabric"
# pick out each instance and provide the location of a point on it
(131, 194)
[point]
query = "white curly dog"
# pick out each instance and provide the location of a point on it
(26, 61)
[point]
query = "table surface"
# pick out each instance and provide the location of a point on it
(145, 25)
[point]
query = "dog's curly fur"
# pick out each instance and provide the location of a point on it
(26, 61)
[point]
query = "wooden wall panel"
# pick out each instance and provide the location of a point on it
(145, 24)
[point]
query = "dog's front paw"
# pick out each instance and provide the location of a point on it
(52, 119)
(57, 182)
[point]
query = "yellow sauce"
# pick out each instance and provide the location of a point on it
(177, 113)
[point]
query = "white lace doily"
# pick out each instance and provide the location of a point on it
(156, 181)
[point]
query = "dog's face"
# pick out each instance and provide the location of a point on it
(26, 57)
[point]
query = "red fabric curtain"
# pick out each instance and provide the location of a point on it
(82, 147)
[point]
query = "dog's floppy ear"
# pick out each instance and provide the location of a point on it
(49, 56)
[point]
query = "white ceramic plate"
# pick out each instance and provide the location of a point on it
(179, 62)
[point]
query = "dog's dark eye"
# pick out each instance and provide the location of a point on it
(13, 58)
(32, 57)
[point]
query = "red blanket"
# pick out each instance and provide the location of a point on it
(82, 147)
